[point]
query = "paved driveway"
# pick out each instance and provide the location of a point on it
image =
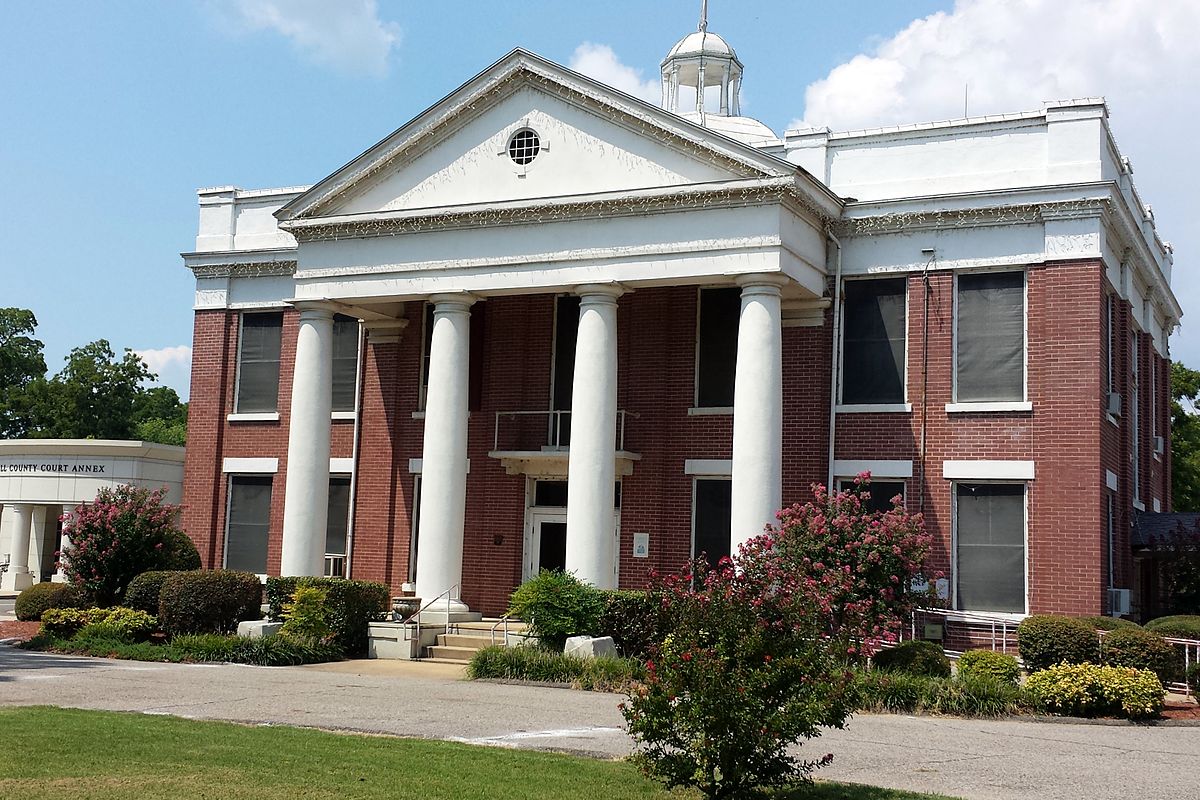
(981, 759)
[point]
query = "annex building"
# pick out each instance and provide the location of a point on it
(546, 324)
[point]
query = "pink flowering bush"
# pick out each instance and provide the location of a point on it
(762, 646)
(124, 532)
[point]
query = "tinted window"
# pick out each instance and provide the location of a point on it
(712, 519)
(874, 332)
(249, 523)
(716, 361)
(991, 337)
(991, 547)
(258, 363)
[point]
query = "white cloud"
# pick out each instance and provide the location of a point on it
(172, 365)
(600, 62)
(347, 35)
(1014, 54)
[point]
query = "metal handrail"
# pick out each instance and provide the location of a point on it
(555, 423)
(417, 616)
(495, 625)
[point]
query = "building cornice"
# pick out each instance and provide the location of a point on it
(731, 194)
(970, 217)
(241, 263)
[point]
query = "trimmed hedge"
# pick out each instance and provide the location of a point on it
(989, 664)
(635, 620)
(1141, 649)
(42, 597)
(1046, 640)
(902, 693)
(208, 601)
(913, 658)
(1088, 690)
(145, 591)
(532, 663)
(271, 651)
(117, 622)
(349, 606)
(557, 605)
(66, 622)
(1109, 623)
(1182, 626)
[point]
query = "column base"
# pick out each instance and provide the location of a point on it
(16, 581)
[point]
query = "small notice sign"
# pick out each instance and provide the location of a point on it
(641, 545)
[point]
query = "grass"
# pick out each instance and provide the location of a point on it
(52, 753)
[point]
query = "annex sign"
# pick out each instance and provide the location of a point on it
(59, 467)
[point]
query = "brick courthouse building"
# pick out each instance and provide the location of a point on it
(546, 324)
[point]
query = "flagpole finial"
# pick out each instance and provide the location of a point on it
(703, 16)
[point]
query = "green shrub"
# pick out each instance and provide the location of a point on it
(528, 663)
(41, 597)
(266, 651)
(208, 601)
(556, 605)
(635, 620)
(902, 693)
(349, 606)
(102, 642)
(144, 591)
(1193, 680)
(179, 553)
(1109, 623)
(1088, 690)
(305, 615)
(914, 658)
(1141, 649)
(64, 623)
(989, 664)
(1183, 626)
(1045, 640)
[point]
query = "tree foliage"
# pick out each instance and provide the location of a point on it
(97, 395)
(761, 647)
(21, 365)
(1185, 438)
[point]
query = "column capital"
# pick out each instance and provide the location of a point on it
(599, 292)
(762, 282)
(314, 309)
(453, 301)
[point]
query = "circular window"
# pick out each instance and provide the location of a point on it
(524, 146)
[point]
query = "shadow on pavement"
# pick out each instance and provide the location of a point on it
(14, 659)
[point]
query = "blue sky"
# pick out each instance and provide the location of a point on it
(112, 114)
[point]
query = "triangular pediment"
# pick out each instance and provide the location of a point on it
(592, 140)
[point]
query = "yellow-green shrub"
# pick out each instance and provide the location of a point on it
(66, 622)
(988, 663)
(116, 622)
(1088, 690)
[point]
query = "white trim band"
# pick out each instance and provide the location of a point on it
(257, 416)
(720, 467)
(875, 408)
(1110, 479)
(250, 465)
(341, 466)
(988, 470)
(981, 408)
(878, 469)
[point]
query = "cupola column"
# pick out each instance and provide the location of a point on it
(591, 468)
(757, 409)
(444, 454)
(306, 490)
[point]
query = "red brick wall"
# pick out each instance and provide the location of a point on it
(1067, 434)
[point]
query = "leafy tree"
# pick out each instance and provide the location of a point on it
(21, 366)
(126, 531)
(159, 416)
(94, 395)
(1185, 438)
(761, 646)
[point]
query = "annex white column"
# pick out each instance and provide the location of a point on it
(757, 409)
(591, 552)
(444, 453)
(306, 492)
(60, 575)
(17, 577)
(37, 542)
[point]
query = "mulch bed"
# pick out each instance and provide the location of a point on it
(18, 630)
(1181, 711)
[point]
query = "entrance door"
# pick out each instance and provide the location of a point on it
(546, 542)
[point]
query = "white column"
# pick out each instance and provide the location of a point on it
(306, 493)
(17, 577)
(37, 542)
(60, 575)
(757, 410)
(444, 453)
(591, 551)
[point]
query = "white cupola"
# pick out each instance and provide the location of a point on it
(701, 80)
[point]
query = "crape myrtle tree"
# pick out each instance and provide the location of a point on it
(762, 645)
(126, 531)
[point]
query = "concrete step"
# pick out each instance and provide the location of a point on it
(484, 628)
(460, 655)
(466, 641)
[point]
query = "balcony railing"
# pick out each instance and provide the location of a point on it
(523, 431)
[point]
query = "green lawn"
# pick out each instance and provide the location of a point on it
(65, 753)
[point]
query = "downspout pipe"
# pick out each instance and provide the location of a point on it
(836, 352)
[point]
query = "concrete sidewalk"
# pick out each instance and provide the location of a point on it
(976, 759)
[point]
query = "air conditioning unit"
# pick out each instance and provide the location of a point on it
(1114, 404)
(1118, 602)
(1159, 444)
